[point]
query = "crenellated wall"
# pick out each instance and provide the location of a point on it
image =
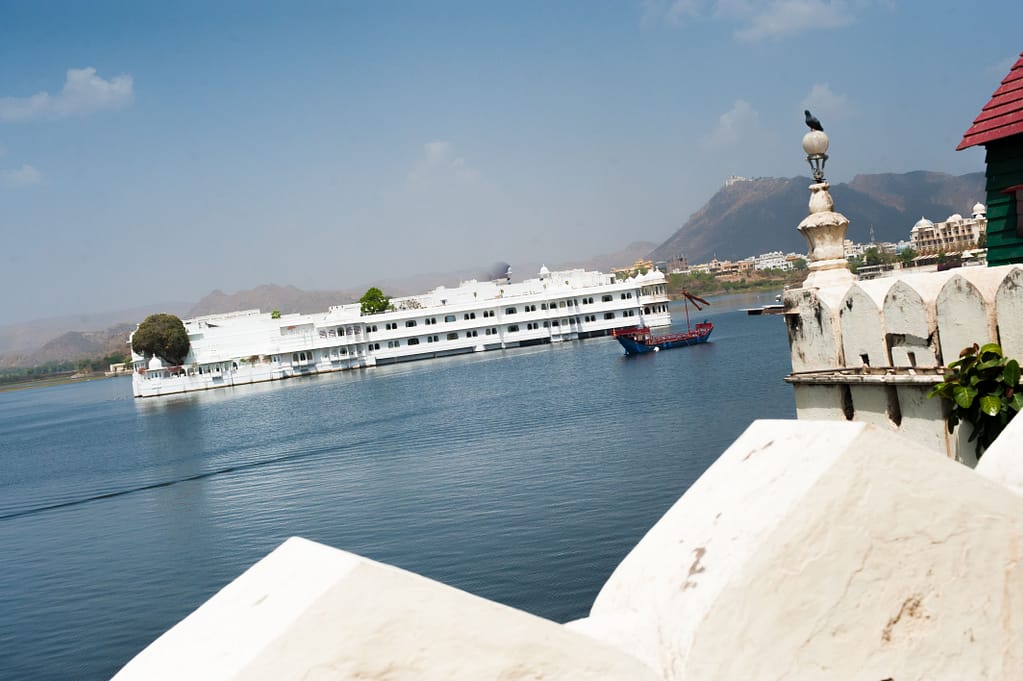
(871, 350)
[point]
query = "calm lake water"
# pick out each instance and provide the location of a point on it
(523, 476)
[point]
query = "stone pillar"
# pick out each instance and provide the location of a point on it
(823, 228)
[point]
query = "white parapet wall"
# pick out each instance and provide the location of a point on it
(808, 550)
(308, 611)
(825, 550)
(871, 350)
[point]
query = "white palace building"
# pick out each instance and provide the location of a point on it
(250, 346)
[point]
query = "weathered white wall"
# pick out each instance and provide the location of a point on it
(308, 611)
(1009, 313)
(910, 323)
(825, 551)
(896, 565)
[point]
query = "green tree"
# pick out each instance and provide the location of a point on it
(799, 264)
(164, 336)
(907, 255)
(374, 301)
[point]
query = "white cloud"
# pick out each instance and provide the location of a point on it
(22, 177)
(826, 104)
(440, 163)
(758, 19)
(788, 17)
(733, 126)
(83, 93)
(674, 12)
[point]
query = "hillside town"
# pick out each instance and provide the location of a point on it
(956, 241)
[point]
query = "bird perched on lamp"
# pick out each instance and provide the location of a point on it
(812, 122)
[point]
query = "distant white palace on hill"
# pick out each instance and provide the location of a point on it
(252, 346)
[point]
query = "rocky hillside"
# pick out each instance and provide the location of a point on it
(761, 215)
(270, 297)
(73, 346)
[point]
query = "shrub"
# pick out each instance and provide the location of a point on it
(164, 336)
(983, 389)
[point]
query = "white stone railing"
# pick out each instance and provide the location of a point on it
(871, 350)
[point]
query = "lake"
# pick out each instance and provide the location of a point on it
(523, 476)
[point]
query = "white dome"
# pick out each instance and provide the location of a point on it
(544, 272)
(979, 208)
(155, 363)
(922, 223)
(955, 217)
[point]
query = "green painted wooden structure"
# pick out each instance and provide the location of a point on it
(1004, 223)
(999, 127)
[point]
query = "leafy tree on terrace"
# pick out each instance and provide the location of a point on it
(162, 335)
(907, 255)
(374, 301)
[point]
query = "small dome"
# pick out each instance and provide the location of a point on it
(979, 209)
(155, 363)
(544, 272)
(955, 217)
(922, 223)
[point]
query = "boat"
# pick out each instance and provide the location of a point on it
(638, 340)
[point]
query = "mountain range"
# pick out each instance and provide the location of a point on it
(756, 216)
(743, 218)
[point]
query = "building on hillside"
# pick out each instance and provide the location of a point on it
(775, 260)
(999, 128)
(954, 235)
(641, 266)
(678, 264)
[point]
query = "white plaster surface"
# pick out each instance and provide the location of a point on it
(816, 341)
(906, 314)
(308, 611)
(962, 317)
(1009, 309)
(819, 402)
(863, 332)
(825, 551)
(657, 598)
(1003, 460)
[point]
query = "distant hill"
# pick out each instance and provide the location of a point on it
(270, 297)
(72, 346)
(757, 216)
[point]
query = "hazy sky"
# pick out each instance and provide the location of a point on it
(155, 151)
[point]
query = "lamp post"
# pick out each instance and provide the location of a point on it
(823, 228)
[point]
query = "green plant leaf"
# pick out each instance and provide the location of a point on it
(991, 347)
(990, 404)
(990, 364)
(964, 396)
(1016, 403)
(1011, 373)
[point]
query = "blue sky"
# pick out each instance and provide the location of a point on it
(152, 152)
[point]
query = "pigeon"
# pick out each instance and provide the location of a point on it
(812, 122)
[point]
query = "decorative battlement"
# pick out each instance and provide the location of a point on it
(871, 350)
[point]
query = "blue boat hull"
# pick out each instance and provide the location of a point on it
(640, 343)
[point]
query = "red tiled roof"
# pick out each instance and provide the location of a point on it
(1002, 116)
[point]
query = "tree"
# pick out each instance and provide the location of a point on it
(164, 336)
(907, 256)
(799, 264)
(374, 301)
